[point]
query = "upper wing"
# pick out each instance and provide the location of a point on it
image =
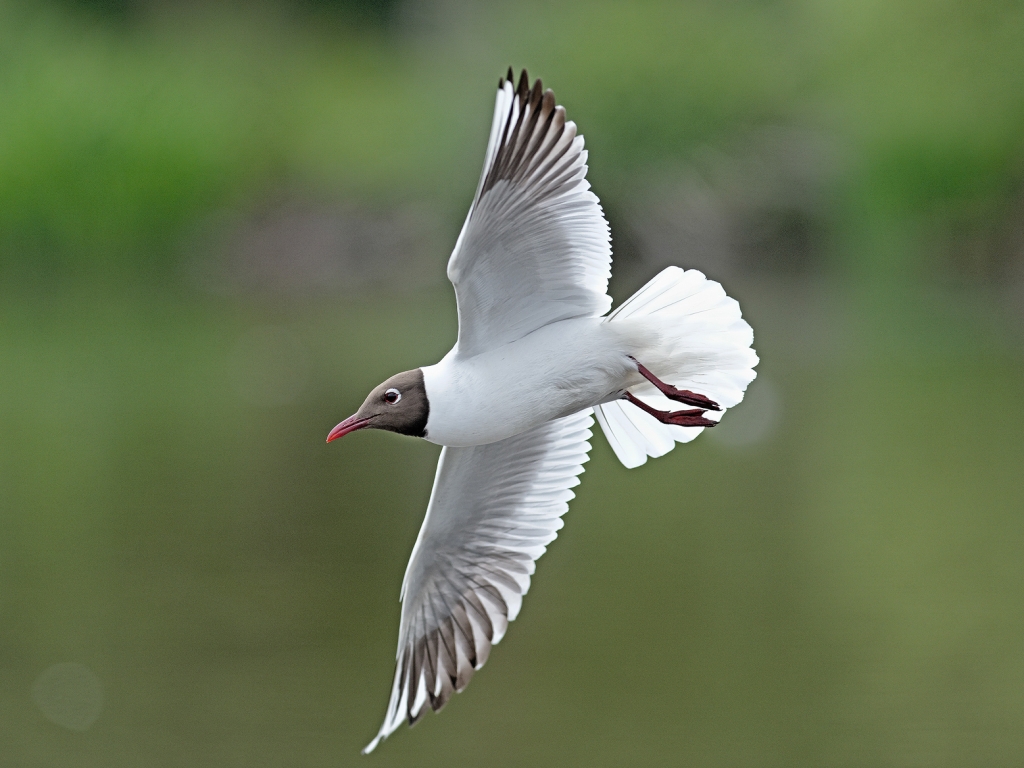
(493, 510)
(535, 247)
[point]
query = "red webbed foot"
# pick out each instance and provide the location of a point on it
(691, 418)
(684, 396)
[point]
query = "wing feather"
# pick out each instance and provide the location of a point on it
(492, 513)
(535, 247)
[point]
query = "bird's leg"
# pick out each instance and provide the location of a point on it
(684, 396)
(692, 418)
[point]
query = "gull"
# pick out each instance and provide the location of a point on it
(538, 357)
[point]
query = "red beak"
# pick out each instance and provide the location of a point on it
(351, 424)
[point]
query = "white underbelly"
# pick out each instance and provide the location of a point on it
(555, 371)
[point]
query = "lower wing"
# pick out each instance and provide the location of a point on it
(493, 511)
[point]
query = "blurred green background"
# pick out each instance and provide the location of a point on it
(221, 224)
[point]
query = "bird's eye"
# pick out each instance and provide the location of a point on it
(392, 396)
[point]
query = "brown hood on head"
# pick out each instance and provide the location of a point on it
(407, 416)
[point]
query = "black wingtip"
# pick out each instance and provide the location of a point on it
(524, 84)
(537, 93)
(548, 100)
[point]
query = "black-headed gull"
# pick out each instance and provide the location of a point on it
(537, 356)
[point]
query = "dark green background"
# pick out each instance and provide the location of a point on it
(844, 590)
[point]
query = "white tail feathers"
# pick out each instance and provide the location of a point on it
(704, 346)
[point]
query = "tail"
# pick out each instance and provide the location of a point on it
(703, 346)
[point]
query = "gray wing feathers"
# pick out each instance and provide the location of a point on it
(492, 513)
(535, 247)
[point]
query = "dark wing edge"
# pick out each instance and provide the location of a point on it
(529, 136)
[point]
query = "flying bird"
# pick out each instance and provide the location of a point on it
(538, 357)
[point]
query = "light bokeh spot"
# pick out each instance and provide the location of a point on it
(69, 695)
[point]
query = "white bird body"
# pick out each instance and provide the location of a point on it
(538, 357)
(555, 371)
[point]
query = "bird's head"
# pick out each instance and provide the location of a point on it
(398, 405)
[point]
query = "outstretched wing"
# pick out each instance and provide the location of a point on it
(492, 513)
(535, 247)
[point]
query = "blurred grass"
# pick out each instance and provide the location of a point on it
(115, 137)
